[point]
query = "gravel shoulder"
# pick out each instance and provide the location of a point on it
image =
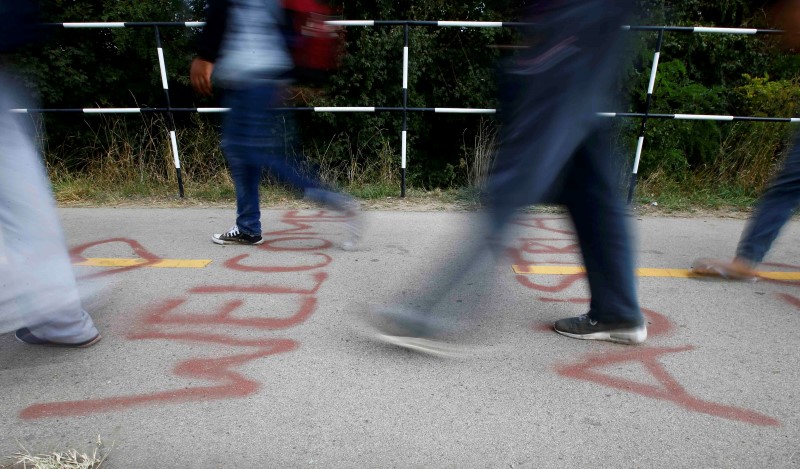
(431, 203)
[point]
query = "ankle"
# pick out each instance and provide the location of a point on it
(744, 263)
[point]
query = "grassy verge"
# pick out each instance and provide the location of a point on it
(130, 162)
(651, 196)
(677, 197)
(92, 191)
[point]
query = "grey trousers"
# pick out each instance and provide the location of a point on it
(37, 283)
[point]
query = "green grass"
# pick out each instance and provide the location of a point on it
(87, 190)
(374, 191)
(128, 162)
(121, 172)
(694, 193)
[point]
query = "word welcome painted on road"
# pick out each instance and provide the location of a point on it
(291, 286)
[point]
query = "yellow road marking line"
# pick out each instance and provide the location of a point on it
(163, 263)
(643, 272)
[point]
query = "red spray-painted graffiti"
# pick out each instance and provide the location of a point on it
(547, 251)
(159, 321)
(76, 255)
(785, 297)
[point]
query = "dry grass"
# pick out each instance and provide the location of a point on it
(67, 459)
(749, 156)
(128, 160)
(127, 157)
(373, 162)
(479, 157)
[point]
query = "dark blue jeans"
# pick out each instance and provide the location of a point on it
(555, 149)
(773, 210)
(256, 136)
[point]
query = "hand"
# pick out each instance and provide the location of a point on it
(200, 75)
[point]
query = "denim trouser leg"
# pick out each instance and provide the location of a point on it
(246, 181)
(773, 210)
(600, 219)
(249, 135)
(256, 136)
(550, 94)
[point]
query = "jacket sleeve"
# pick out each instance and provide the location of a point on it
(210, 40)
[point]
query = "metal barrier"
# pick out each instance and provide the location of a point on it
(644, 116)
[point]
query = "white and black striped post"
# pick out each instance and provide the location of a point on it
(404, 132)
(643, 127)
(173, 139)
(169, 110)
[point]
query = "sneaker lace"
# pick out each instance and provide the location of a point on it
(234, 231)
(585, 317)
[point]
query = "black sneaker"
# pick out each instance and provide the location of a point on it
(25, 335)
(233, 236)
(582, 327)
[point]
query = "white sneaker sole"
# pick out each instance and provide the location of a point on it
(222, 242)
(629, 337)
(422, 345)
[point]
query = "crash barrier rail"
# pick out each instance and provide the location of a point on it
(643, 116)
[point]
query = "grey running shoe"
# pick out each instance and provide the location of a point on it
(423, 345)
(409, 329)
(354, 227)
(345, 204)
(583, 327)
(234, 236)
(25, 335)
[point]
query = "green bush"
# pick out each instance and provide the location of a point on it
(449, 67)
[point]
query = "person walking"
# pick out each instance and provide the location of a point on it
(553, 148)
(778, 203)
(39, 297)
(773, 210)
(243, 47)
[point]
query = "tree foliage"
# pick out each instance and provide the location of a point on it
(449, 67)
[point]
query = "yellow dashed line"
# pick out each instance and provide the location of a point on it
(643, 272)
(163, 263)
(674, 273)
(548, 269)
(780, 275)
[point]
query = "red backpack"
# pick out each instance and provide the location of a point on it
(316, 48)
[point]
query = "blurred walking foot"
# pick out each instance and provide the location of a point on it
(354, 227)
(348, 206)
(422, 345)
(409, 329)
(737, 269)
(25, 335)
(583, 327)
(234, 236)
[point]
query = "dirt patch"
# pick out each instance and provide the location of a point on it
(411, 204)
(695, 212)
(429, 203)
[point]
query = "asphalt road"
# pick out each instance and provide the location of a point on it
(253, 360)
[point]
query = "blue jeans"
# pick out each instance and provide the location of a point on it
(554, 148)
(256, 136)
(773, 210)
